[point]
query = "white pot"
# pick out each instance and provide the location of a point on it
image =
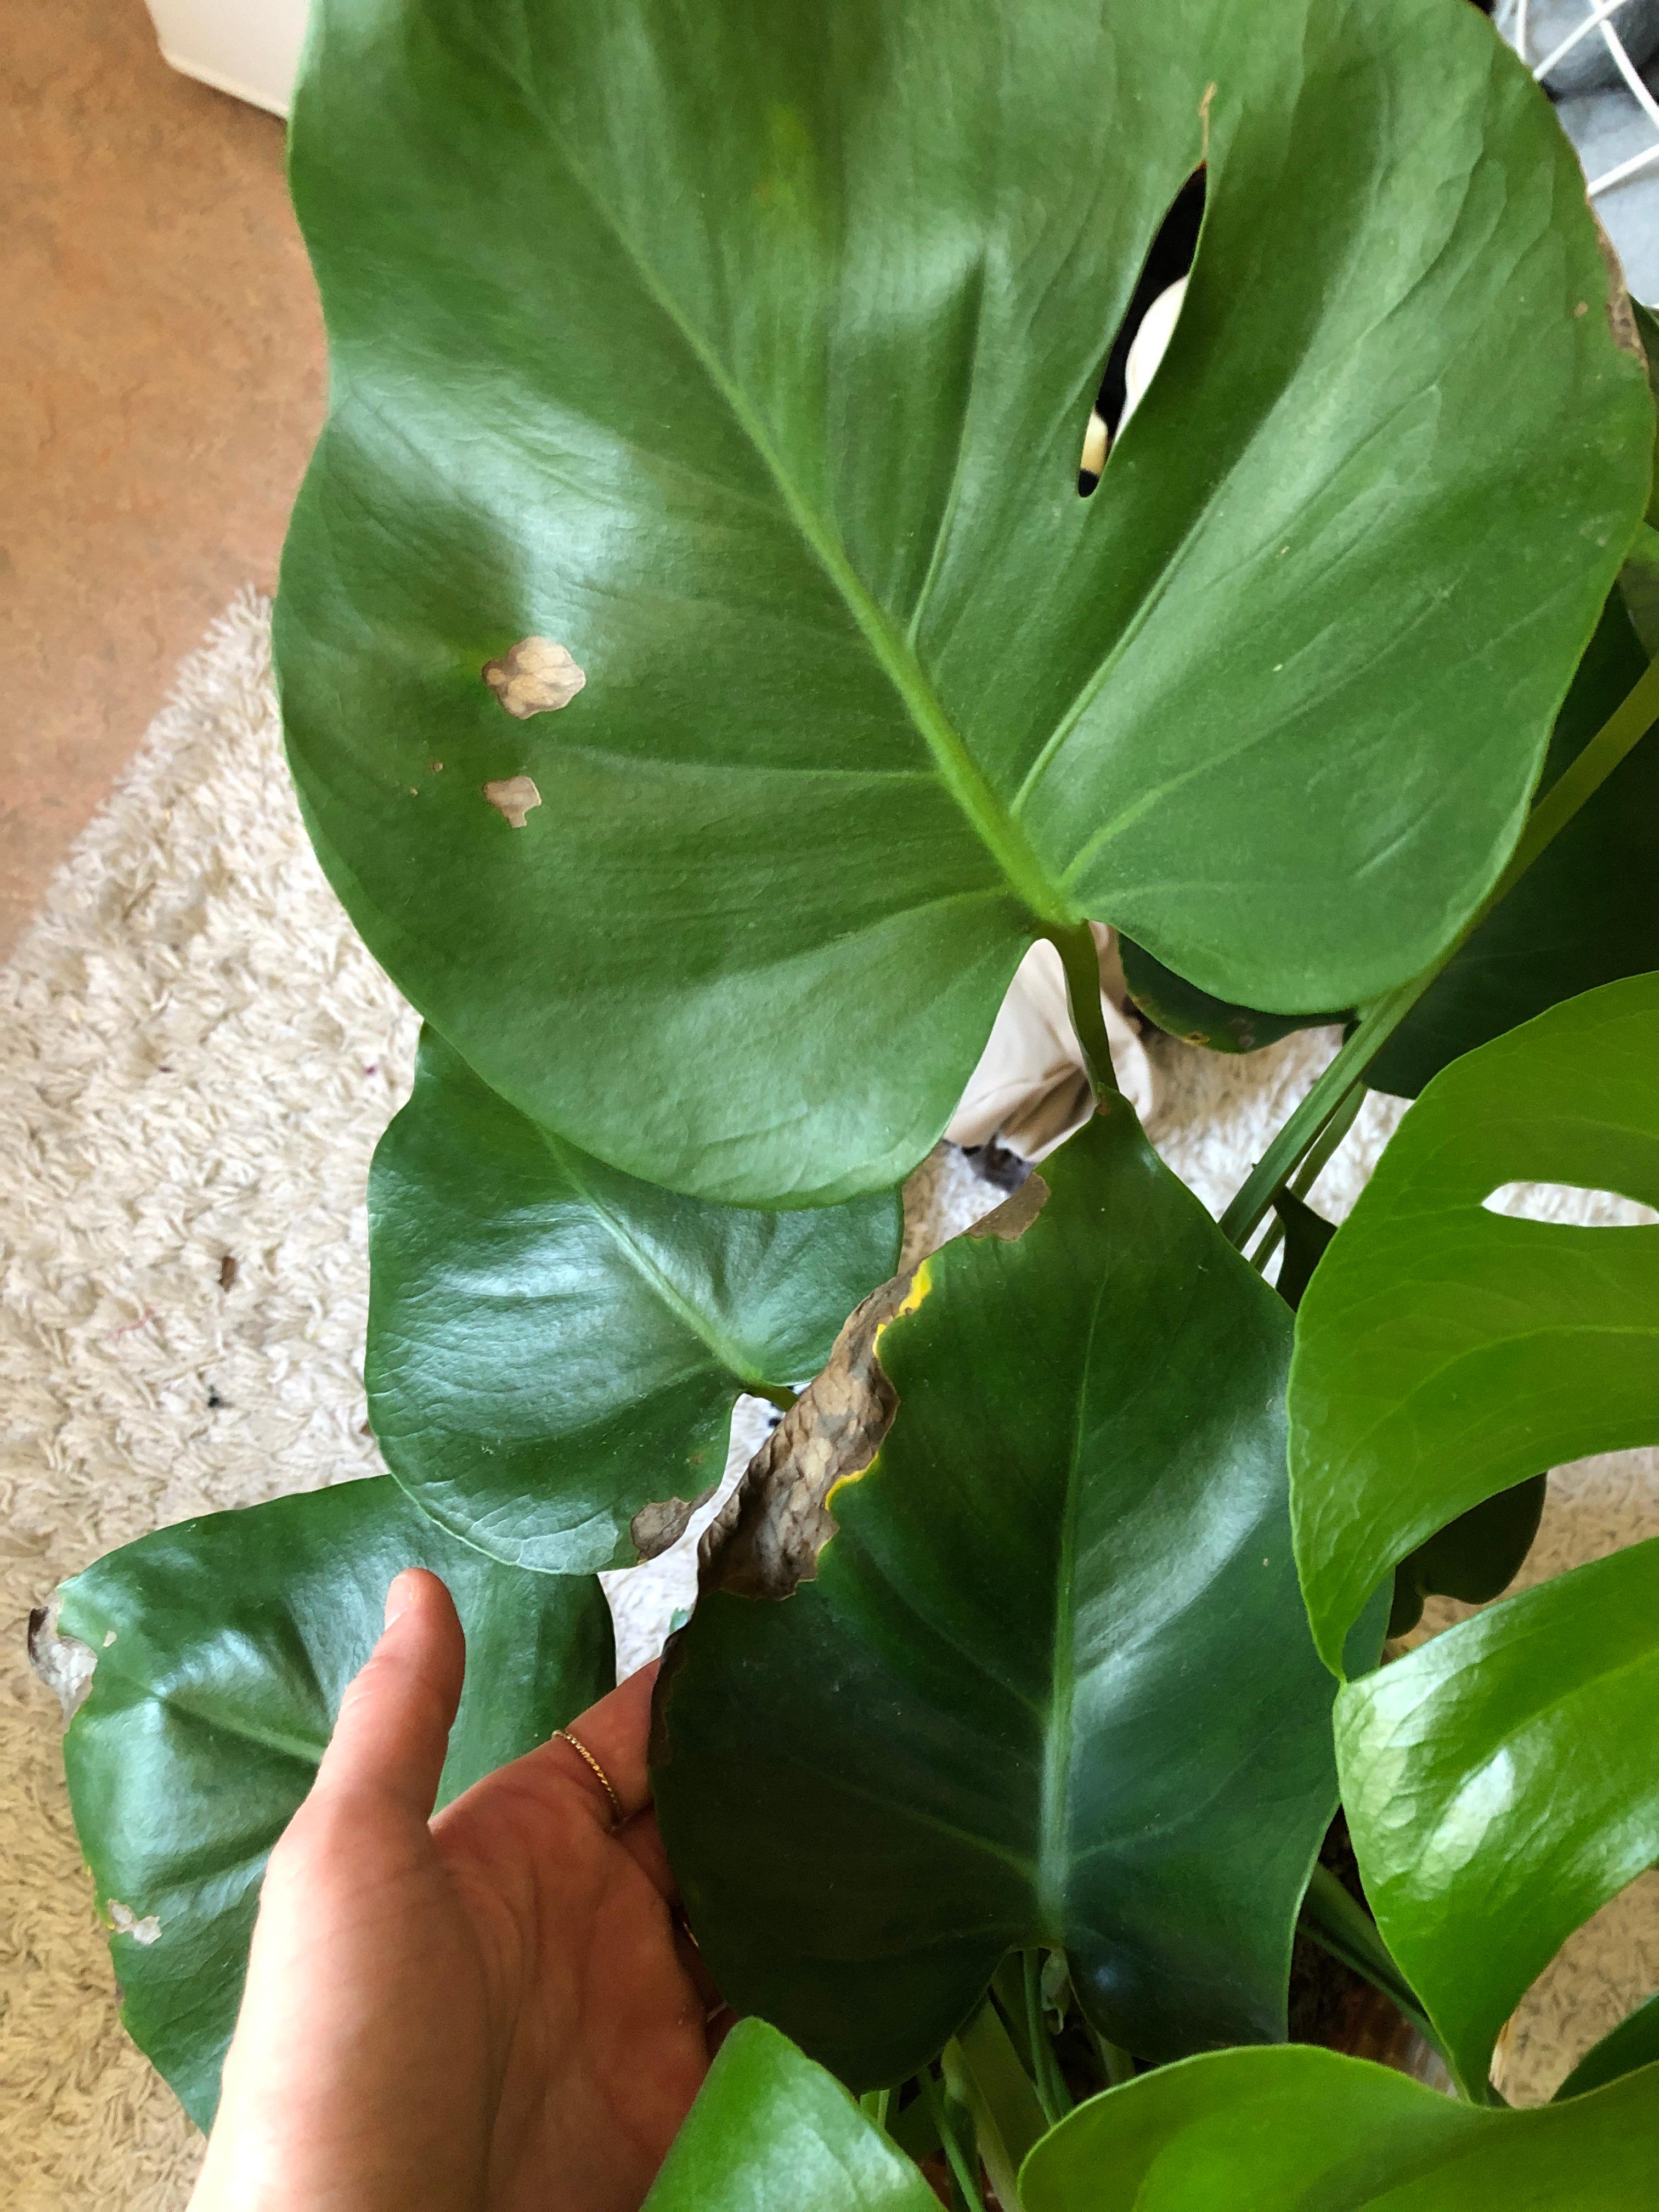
(250, 48)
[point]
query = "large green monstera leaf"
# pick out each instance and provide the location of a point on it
(771, 2132)
(553, 1346)
(732, 364)
(1444, 1353)
(1052, 1683)
(1303, 2130)
(222, 1647)
(1501, 1784)
(1498, 1783)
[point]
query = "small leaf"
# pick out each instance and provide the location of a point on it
(1051, 1684)
(773, 2131)
(222, 1647)
(1304, 2130)
(1444, 1351)
(1502, 1783)
(552, 1346)
(1585, 913)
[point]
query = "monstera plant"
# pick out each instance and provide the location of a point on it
(706, 676)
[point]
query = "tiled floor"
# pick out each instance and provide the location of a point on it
(160, 382)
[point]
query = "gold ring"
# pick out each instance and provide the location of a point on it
(604, 1779)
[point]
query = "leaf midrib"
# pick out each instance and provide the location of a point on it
(740, 1367)
(1053, 1859)
(998, 830)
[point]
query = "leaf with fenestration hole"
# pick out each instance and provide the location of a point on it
(1444, 1350)
(553, 1346)
(222, 1647)
(1304, 2130)
(1052, 1683)
(1501, 1784)
(772, 2131)
(739, 363)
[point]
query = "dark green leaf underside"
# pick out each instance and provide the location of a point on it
(223, 1648)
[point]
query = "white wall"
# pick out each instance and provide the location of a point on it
(247, 47)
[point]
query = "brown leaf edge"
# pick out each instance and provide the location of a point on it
(766, 1539)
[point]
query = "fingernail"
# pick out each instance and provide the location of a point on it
(399, 1597)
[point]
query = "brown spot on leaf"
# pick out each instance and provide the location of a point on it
(125, 1922)
(767, 1537)
(1011, 1220)
(513, 797)
(537, 676)
(63, 1663)
(1621, 321)
(654, 1527)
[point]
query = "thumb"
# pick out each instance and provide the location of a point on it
(392, 1728)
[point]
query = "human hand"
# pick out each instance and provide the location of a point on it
(487, 2012)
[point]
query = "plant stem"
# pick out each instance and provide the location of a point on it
(1314, 1161)
(1317, 1111)
(1343, 1927)
(1080, 959)
(965, 2179)
(1051, 2088)
(873, 2106)
(984, 2070)
(1623, 728)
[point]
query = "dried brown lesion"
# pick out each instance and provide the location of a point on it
(513, 797)
(1621, 319)
(535, 676)
(768, 1535)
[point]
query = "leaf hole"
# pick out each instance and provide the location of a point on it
(1142, 336)
(1576, 1204)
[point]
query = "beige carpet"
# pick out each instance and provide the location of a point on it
(197, 1059)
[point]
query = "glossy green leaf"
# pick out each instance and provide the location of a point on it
(223, 1648)
(1443, 1352)
(1185, 1012)
(1052, 1683)
(1502, 1783)
(1304, 2130)
(746, 353)
(1633, 2044)
(552, 1344)
(1585, 913)
(1474, 1559)
(771, 2132)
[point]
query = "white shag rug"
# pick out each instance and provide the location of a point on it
(197, 1057)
